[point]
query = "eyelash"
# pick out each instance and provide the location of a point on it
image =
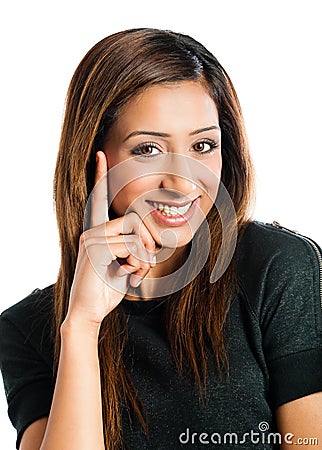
(136, 151)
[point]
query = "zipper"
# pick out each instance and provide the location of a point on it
(313, 245)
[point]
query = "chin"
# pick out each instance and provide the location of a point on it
(171, 238)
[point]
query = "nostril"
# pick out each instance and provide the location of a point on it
(180, 187)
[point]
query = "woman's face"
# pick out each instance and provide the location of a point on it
(166, 144)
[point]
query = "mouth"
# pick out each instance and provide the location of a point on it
(172, 213)
(169, 210)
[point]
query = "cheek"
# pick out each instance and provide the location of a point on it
(215, 164)
(210, 178)
(131, 194)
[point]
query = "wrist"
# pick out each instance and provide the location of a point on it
(79, 326)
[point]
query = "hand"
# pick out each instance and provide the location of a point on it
(112, 256)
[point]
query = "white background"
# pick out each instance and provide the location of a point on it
(271, 50)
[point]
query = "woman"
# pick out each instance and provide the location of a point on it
(177, 320)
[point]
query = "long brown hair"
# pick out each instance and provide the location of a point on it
(110, 74)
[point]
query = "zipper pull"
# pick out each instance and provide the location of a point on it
(281, 227)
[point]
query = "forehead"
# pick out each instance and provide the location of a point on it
(172, 106)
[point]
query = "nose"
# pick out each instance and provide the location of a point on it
(178, 174)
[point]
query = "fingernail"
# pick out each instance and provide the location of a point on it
(136, 282)
(153, 258)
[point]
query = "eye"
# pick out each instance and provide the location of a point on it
(147, 149)
(205, 146)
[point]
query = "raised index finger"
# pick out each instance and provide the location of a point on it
(99, 196)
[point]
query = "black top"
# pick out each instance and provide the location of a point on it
(274, 342)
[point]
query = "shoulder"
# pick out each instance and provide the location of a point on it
(266, 239)
(280, 280)
(26, 358)
(38, 303)
(28, 320)
(274, 262)
(266, 246)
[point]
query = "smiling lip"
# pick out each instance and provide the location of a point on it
(171, 203)
(174, 221)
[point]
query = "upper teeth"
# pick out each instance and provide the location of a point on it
(172, 210)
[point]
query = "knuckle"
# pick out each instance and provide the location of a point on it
(134, 215)
(131, 246)
(133, 254)
(128, 238)
(132, 260)
(136, 239)
(146, 268)
(83, 238)
(144, 263)
(150, 245)
(135, 219)
(135, 242)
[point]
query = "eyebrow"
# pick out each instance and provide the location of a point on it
(166, 135)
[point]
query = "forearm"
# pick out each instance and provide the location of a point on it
(75, 420)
